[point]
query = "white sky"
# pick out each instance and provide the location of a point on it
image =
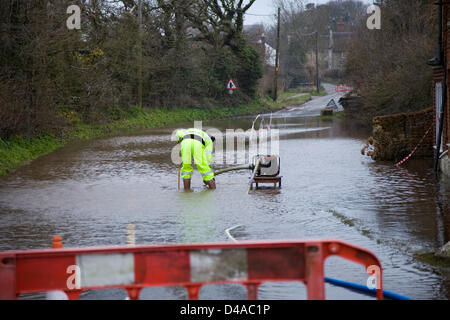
(264, 7)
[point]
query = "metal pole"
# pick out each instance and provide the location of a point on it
(140, 55)
(275, 85)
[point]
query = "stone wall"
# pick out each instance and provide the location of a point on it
(395, 136)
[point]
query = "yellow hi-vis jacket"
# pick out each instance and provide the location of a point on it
(196, 144)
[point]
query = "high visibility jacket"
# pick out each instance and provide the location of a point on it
(196, 144)
(201, 136)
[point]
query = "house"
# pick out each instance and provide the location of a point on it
(255, 35)
(339, 37)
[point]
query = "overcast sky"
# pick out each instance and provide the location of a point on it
(267, 7)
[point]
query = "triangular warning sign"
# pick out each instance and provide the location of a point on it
(231, 85)
(332, 104)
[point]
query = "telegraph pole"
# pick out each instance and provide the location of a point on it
(277, 66)
(317, 63)
(140, 55)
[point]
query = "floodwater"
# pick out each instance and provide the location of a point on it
(89, 192)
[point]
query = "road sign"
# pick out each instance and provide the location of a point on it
(231, 85)
(332, 104)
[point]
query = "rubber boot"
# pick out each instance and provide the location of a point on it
(187, 184)
(211, 184)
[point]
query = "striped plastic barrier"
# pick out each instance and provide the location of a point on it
(342, 88)
(191, 266)
(415, 149)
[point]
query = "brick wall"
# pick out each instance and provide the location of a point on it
(395, 136)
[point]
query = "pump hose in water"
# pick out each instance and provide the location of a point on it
(247, 166)
(364, 289)
(244, 167)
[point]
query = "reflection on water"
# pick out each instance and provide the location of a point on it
(89, 192)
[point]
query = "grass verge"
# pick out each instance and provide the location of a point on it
(431, 259)
(336, 115)
(352, 223)
(18, 150)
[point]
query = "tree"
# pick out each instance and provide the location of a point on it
(388, 66)
(220, 24)
(299, 23)
(52, 77)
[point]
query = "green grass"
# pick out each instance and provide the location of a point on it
(310, 90)
(352, 223)
(430, 259)
(344, 219)
(322, 92)
(286, 99)
(336, 115)
(17, 151)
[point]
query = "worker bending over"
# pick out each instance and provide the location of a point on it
(196, 143)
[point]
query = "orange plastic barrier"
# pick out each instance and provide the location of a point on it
(191, 266)
(343, 88)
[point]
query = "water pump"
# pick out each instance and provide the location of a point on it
(269, 166)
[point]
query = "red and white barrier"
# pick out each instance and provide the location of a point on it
(343, 88)
(191, 266)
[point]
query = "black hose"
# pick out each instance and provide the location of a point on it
(245, 167)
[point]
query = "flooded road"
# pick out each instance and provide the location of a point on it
(89, 192)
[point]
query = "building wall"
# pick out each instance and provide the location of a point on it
(338, 60)
(256, 37)
(339, 37)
